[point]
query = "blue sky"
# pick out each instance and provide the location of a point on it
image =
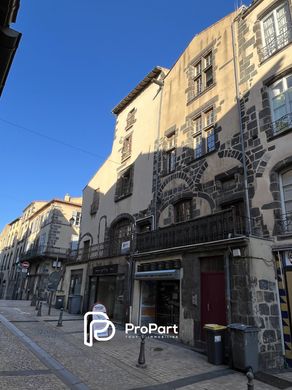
(76, 60)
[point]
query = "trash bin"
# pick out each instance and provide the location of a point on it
(215, 343)
(60, 299)
(244, 346)
(74, 304)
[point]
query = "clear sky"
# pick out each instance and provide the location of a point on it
(76, 60)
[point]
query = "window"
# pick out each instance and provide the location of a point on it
(198, 146)
(281, 104)
(76, 215)
(124, 184)
(127, 146)
(170, 161)
(203, 74)
(276, 30)
(210, 135)
(85, 251)
(121, 232)
(95, 202)
(131, 118)
(198, 124)
(204, 133)
(286, 195)
(144, 225)
(183, 210)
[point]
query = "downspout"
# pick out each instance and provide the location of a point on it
(161, 84)
(246, 196)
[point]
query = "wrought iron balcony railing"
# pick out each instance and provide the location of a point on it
(276, 44)
(280, 125)
(46, 251)
(217, 226)
(284, 224)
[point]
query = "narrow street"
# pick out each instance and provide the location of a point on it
(35, 353)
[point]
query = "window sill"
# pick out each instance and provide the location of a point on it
(201, 93)
(279, 134)
(125, 158)
(121, 197)
(193, 160)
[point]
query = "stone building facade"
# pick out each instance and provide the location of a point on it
(117, 200)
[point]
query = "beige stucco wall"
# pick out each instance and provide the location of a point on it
(144, 132)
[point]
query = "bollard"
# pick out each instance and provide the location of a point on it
(141, 360)
(40, 309)
(60, 317)
(37, 304)
(250, 378)
(33, 300)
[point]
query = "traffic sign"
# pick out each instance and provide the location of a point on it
(25, 264)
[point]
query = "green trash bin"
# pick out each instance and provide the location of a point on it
(244, 347)
(215, 343)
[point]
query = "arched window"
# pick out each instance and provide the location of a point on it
(121, 233)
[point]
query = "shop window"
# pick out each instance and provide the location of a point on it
(183, 210)
(124, 184)
(286, 198)
(127, 147)
(75, 282)
(276, 30)
(95, 202)
(281, 104)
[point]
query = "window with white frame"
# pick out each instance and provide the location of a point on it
(203, 73)
(204, 133)
(281, 104)
(76, 215)
(276, 30)
(286, 198)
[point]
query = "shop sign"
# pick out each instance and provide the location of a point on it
(125, 248)
(105, 269)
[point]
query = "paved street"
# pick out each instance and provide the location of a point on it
(36, 354)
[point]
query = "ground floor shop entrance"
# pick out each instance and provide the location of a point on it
(109, 291)
(160, 302)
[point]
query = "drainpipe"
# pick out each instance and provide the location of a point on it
(246, 196)
(228, 289)
(161, 84)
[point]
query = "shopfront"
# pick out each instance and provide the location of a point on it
(107, 286)
(159, 287)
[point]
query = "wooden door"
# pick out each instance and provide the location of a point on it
(213, 304)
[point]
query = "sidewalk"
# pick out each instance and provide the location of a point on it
(107, 365)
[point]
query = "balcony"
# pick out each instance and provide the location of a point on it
(217, 226)
(284, 224)
(276, 44)
(47, 251)
(280, 126)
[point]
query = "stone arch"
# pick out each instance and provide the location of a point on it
(101, 219)
(177, 175)
(84, 236)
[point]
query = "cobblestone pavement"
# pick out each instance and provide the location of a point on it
(36, 354)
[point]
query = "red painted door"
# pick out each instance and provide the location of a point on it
(213, 305)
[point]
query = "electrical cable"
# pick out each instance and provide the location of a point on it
(52, 139)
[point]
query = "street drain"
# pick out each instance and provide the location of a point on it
(158, 349)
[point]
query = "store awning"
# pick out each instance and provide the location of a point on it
(158, 275)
